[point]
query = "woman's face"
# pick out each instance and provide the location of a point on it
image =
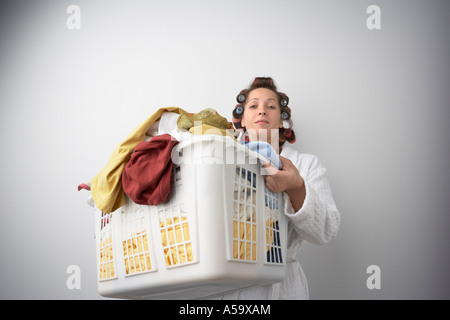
(262, 115)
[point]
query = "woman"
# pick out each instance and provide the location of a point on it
(263, 115)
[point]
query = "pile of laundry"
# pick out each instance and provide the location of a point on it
(140, 167)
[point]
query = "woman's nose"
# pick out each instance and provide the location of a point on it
(261, 111)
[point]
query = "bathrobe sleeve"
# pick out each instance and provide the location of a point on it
(318, 219)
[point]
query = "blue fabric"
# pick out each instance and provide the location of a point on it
(267, 151)
(274, 254)
(270, 199)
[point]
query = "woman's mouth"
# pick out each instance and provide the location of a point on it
(262, 121)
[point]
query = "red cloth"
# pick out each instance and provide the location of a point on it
(146, 177)
(84, 186)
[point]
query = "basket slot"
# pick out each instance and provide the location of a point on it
(135, 240)
(244, 216)
(174, 225)
(106, 249)
(273, 244)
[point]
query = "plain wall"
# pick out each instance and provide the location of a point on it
(373, 105)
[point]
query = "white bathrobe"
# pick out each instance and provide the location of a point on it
(316, 222)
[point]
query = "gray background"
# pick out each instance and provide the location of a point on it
(373, 105)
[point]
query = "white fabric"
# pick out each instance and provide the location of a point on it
(316, 222)
(167, 124)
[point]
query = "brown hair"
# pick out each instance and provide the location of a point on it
(285, 134)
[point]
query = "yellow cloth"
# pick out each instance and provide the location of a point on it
(136, 253)
(245, 248)
(206, 128)
(106, 186)
(207, 121)
(207, 116)
(175, 249)
(106, 259)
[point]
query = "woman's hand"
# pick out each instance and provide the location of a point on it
(289, 180)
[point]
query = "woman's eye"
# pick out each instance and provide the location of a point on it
(252, 107)
(271, 107)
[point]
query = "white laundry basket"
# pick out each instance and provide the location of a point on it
(220, 230)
